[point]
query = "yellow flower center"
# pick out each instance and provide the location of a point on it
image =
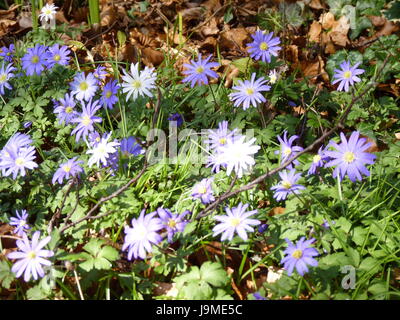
(235, 222)
(200, 69)
(86, 120)
(3, 77)
(347, 75)
(101, 149)
(22, 223)
(108, 93)
(297, 254)
(57, 57)
(316, 158)
(222, 140)
(249, 91)
(287, 151)
(83, 86)
(136, 84)
(67, 168)
(48, 12)
(35, 59)
(286, 184)
(273, 78)
(202, 190)
(68, 109)
(31, 255)
(97, 139)
(171, 223)
(263, 46)
(19, 161)
(349, 157)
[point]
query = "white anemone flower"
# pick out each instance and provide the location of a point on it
(48, 12)
(102, 151)
(138, 83)
(239, 155)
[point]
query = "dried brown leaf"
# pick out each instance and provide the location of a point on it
(315, 32)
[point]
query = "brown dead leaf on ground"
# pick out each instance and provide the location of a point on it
(275, 211)
(234, 39)
(314, 34)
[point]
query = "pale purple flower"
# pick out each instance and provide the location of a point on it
(287, 185)
(20, 223)
(17, 160)
(347, 75)
(84, 87)
(143, 234)
(130, 146)
(33, 62)
(203, 191)
(86, 119)
(31, 256)
(65, 109)
(109, 94)
(219, 137)
(173, 223)
(288, 151)
(264, 46)
(7, 53)
(5, 75)
(198, 71)
(69, 169)
(318, 160)
(57, 55)
(248, 92)
(350, 157)
(237, 221)
(299, 255)
(100, 74)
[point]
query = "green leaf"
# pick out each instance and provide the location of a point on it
(6, 276)
(243, 64)
(93, 246)
(109, 253)
(214, 274)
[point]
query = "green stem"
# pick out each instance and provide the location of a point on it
(94, 12)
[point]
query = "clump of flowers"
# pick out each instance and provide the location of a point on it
(198, 71)
(248, 92)
(350, 157)
(347, 75)
(143, 234)
(235, 221)
(264, 46)
(31, 256)
(299, 255)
